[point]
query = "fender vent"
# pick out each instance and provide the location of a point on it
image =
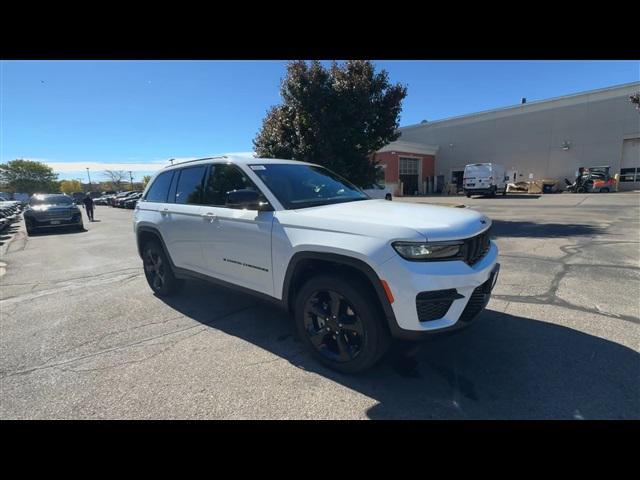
(477, 301)
(435, 305)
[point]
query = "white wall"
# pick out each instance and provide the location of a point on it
(530, 140)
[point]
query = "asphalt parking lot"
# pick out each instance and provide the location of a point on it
(82, 335)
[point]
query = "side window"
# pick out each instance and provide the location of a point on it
(224, 178)
(189, 189)
(159, 188)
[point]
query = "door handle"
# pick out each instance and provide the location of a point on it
(164, 212)
(210, 216)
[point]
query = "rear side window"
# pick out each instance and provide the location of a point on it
(159, 188)
(189, 189)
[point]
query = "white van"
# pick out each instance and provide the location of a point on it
(484, 179)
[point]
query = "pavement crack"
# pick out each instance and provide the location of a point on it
(48, 364)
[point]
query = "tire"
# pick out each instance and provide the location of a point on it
(388, 197)
(504, 192)
(581, 190)
(30, 230)
(355, 345)
(158, 270)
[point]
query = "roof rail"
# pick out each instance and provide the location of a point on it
(195, 160)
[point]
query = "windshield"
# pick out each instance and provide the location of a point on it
(301, 186)
(51, 200)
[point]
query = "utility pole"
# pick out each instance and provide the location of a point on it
(89, 178)
(131, 178)
(171, 160)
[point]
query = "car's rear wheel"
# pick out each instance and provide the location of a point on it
(158, 271)
(339, 321)
(388, 196)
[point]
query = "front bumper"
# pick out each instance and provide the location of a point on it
(470, 287)
(34, 222)
(478, 191)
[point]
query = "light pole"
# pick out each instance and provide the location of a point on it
(131, 178)
(89, 178)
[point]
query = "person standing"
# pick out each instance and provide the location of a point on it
(88, 204)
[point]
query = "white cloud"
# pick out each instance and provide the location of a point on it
(65, 167)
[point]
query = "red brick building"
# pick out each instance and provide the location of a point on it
(409, 168)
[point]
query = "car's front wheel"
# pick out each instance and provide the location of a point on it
(341, 324)
(158, 271)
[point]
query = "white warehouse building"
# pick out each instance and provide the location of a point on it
(547, 139)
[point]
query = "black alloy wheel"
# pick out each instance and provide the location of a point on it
(333, 326)
(339, 319)
(158, 270)
(154, 269)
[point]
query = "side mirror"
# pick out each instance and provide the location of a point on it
(245, 198)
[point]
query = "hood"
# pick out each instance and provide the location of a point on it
(395, 220)
(52, 207)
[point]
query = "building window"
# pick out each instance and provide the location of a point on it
(630, 174)
(408, 166)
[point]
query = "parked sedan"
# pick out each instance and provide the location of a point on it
(104, 200)
(378, 191)
(118, 201)
(131, 201)
(50, 211)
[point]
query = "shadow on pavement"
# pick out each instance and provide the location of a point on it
(503, 367)
(509, 196)
(56, 231)
(7, 233)
(514, 228)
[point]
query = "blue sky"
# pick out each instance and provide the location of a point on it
(134, 115)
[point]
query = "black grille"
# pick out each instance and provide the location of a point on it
(477, 247)
(434, 305)
(477, 301)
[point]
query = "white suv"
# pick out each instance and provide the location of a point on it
(353, 271)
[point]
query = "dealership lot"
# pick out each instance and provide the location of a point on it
(82, 336)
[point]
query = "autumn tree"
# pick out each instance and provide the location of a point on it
(70, 186)
(334, 116)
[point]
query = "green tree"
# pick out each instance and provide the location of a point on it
(635, 99)
(70, 186)
(145, 180)
(335, 117)
(27, 176)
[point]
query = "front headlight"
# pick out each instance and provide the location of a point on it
(429, 250)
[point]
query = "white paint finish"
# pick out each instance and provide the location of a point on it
(242, 236)
(363, 230)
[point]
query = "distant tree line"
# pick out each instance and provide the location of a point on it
(28, 176)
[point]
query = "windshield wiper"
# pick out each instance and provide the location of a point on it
(319, 203)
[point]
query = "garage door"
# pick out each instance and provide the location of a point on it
(630, 165)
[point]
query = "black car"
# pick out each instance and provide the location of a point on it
(51, 211)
